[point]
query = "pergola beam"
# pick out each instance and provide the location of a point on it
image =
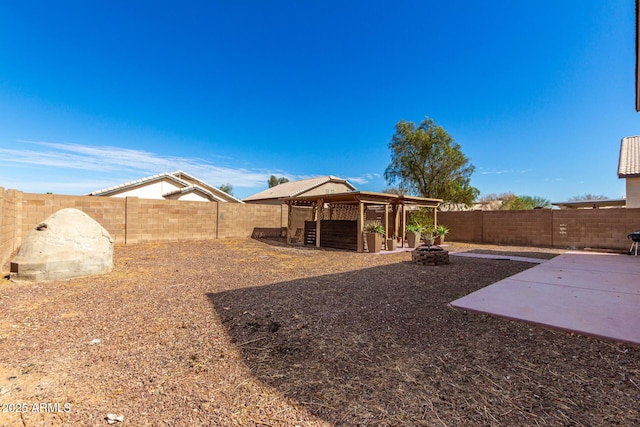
(363, 198)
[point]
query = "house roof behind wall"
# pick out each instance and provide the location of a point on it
(588, 204)
(188, 183)
(629, 163)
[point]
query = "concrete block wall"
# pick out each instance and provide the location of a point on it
(525, 228)
(10, 222)
(596, 228)
(132, 220)
(566, 228)
(155, 220)
(109, 212)
(240, 220)
(463, 226)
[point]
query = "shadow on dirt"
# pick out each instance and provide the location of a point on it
(378, 345)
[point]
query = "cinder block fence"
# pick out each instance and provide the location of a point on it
(566, 228)
(133, 220)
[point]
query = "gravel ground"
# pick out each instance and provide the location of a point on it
(255, 333)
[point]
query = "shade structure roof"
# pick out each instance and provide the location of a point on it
(296, 188)
(364, 197)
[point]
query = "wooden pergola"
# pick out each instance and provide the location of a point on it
(362, 199)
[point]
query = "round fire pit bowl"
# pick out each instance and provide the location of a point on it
(430, 255)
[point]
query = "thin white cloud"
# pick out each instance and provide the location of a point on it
(71, 186)
(130, 162)
(357, 180)
(79, 169)
(495, 172)
(501, 172)
(365, 179)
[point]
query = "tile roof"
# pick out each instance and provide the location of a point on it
(629, 163)
(295, 188)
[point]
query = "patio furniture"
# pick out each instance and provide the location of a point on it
(635, 238)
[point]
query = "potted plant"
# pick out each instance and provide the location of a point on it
(392, 243)
(413, 235)
(440, 231)
(374, 230)
(428, 235)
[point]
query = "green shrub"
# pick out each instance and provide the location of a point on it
(374, 227)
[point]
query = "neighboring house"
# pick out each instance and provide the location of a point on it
(304, 187)
(169, 186)
(629, 169)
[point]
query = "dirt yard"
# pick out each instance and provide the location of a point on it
(251, 333)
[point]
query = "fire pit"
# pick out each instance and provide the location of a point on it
(430, 255)
(635, 238)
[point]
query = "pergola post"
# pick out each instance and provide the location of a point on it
(404, 223)
(289, 223)
(360, 226)
(386, 223)
(396, 218)
(435, 217)
(319, 208)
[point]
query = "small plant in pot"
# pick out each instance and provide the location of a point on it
(413, 235)
(440, 232)
(374, 230)
(429, 236)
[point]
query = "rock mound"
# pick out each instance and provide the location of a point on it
(67, 244)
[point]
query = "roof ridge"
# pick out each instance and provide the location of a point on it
(192, 187)
(215, 193)
(324, 179)
(131, 183)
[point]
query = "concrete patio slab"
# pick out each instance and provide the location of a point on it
(588, 293)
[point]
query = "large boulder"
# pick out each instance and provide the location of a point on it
(67, 244)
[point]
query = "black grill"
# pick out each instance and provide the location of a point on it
(635, 237)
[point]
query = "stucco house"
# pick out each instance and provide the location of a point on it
(176, 185)
(629, 169)
(301, 188)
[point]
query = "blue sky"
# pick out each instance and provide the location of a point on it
(94, 94)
